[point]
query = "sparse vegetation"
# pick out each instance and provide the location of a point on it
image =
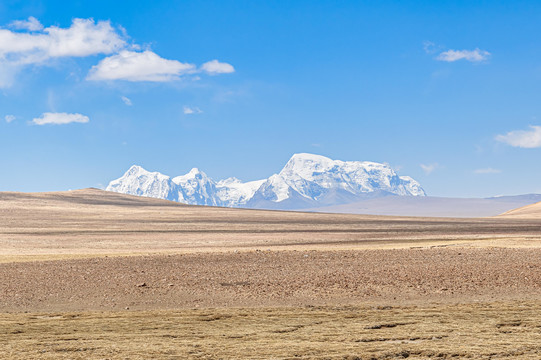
(232, 283)
(489, 330)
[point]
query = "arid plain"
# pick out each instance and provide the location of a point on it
(92, 274)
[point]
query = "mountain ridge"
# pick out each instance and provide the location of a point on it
(307, 180)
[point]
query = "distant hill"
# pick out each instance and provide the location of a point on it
(532, 211)
(438, 206)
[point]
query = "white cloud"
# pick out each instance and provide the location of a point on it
(126, 100)
(138, 66)
(7, 74)
(27, 42)
(522, 138)
(37, 45)
(9, 118)
(191, 110)
(428, 169)
(60, 119)
(83, 38)
(487, 171)
(429, 47)
(32, 24)
(214, 67)
(476, 55)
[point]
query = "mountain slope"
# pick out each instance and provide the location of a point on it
(437, 206)
(531, 211)
(306, 180)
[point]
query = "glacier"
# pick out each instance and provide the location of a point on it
(307, 180)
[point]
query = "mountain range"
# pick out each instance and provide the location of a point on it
(306, 181)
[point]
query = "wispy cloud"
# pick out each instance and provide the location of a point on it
(215, 67)
(429, 47)
(32, 24)
(487, 171)
(428, 169)
(60, 119)
(476, 55)
(9, 118)
(522, 138)
(126, 100)
(191, 110)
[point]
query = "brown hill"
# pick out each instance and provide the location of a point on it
(532, 211)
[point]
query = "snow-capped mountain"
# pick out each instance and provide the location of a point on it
(234, 192)
(138, 181)
(194, 188)
(307, 180)
(197, 188)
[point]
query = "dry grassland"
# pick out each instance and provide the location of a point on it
(88, 223)
(220, 283)
(495, 331)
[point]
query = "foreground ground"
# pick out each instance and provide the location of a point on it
(488, 331)
(88, 274)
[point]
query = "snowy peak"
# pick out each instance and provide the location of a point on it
(197, 188)
(138, 181)
(137, 171)
(305, 163)
(195, 173)
(194, 188)
(134, 169)
(305, 180)
(313, 176)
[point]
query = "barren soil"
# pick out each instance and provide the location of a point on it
(94, 222)
(273, 278)
(176, 281)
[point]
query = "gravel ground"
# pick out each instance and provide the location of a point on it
(273, 278)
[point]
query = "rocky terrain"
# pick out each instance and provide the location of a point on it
(273, 278)
(94, 274)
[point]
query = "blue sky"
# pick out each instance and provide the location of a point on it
(446, 92)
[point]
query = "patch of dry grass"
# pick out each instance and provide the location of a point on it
(490, 330)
